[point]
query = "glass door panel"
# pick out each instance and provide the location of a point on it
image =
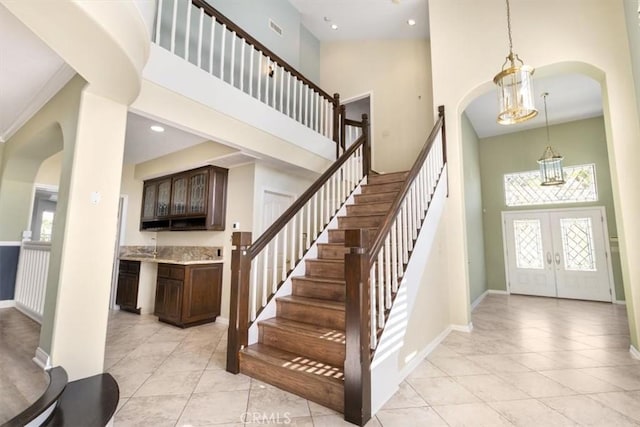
(179, 196)
(198, 193)
(164, 195)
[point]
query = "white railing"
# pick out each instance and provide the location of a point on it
(274, 262)
(31, 278)
(387, 267)
(195, 31)
(352, 133)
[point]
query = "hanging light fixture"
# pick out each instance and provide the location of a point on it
(515, 86)
(551, 172)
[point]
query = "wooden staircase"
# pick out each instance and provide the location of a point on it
(302, 349)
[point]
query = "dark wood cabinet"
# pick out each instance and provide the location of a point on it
(127, 291)
(188, 295)
(190, 200)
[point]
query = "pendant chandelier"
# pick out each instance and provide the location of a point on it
(515, 86)
(551, 172)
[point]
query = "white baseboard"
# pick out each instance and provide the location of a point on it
(462, 328)
(42, 359)
(8, 303)
(634, 352)
(478, 300)
(222, 320)
(424, 353)
(621, 302)
(497, 292)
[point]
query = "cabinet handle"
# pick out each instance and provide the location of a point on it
(549, 260)
(557, 258)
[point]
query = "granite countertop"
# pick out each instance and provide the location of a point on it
(183, 255)
(157, 260)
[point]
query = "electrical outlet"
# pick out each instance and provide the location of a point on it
(235, 226)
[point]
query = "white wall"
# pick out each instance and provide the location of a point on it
(633, 31)
(49, 172)
(398, 74)
(468, 43)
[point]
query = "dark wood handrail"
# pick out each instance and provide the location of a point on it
(57, 382)
(275, 228)
(214, 13)
(385, 228)
(350, 122)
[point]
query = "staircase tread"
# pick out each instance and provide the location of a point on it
(301, 327)
(316, 302)
(320, 279)
(284, 359)
(374, 194)
(361, 215)
(326, 260)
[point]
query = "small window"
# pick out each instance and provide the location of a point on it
(46, 227)
(524, 189)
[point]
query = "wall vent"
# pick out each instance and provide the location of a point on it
(275, 27)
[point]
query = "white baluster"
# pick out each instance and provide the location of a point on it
(394, 256)
(259, 76)
(315, 215)
(265, 276)
(387, 271)
(381, 307)
(222, 49)
(300, 215)
(293, 243)
(372, 302)
(232, 68)
(187, 33)
(274, 67)
(308, 240)
(253, 290)
(281, 89)
(242, 57)
(266, 82)
(212, 39)
(200, 28)
(158, 22)
(274, 255)
(405, 233)
(252, 54)
(288, 94)
(173, 26)
(284, 251)
(410, 223)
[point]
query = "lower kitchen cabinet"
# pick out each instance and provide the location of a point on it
(127, 292)
(188, 295)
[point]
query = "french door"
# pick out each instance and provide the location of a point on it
(558, 253)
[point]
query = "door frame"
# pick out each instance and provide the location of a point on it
(368, 94)
(605, 231)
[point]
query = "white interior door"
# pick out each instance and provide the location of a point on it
(529, 259)
(559, 253)
(580, 255)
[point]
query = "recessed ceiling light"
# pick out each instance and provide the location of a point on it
(334, 27)
(157, 128)
(411, 22)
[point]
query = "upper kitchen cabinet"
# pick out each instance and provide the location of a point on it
(190, 200)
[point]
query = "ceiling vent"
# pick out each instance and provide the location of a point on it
(275, 27)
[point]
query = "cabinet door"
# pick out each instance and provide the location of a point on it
(198, 193)
(127, 295)
(179, 195)
(202, 289)
(163, 198)
(173, 300)
(149, 201)
(161, 290)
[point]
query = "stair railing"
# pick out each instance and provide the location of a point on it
(259, 268)
(375, 266)
(197, 32)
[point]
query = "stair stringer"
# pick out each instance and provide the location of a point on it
(388, 367)
(285, 289)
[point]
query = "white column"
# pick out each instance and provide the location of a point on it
(86, 229)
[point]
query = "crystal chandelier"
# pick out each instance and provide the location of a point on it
(515, 86)
(551, 161)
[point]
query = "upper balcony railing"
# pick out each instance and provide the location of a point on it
(197, 32)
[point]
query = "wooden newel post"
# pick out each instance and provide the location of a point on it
(239, 300)
(366, 164)
(357, 364)
(336, 122)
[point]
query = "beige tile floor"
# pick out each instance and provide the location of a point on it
(528, 362)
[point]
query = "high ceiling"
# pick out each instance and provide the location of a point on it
(31, 73)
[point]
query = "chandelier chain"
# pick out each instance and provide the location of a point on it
(546, 119)
(509, 27)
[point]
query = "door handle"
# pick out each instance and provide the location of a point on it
(557, 258)
(549, 260)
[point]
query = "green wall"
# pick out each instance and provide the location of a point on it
(580, 142)
(473, 210)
